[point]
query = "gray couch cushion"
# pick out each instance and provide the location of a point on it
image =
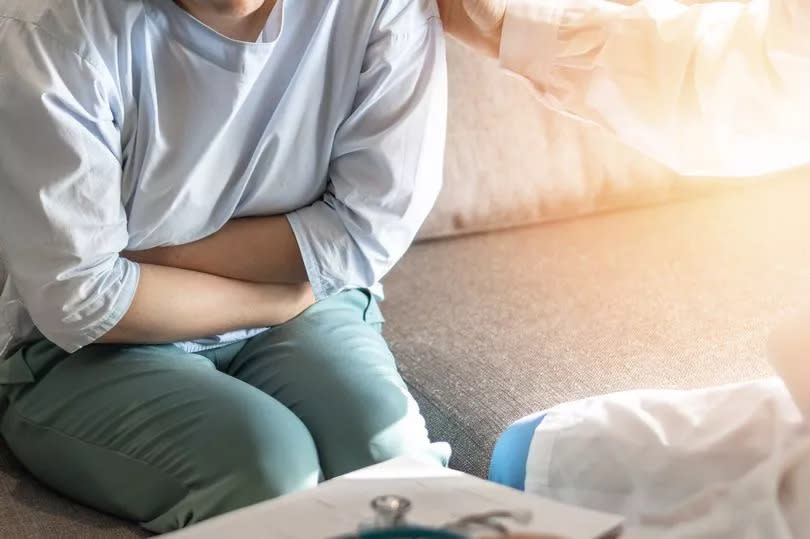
(490, 328)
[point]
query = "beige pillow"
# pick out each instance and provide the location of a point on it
(511, 161)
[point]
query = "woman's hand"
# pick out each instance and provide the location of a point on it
(476, 23)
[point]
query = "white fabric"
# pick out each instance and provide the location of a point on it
(731, 461)
(710, 89)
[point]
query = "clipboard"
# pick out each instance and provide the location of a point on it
(438, 495)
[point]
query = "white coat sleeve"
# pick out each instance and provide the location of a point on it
(708, 89)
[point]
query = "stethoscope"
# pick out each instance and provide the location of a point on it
(389, 522)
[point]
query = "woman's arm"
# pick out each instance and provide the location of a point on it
(62, 223)
(256, 249)
(384, 175)
(173, 305)
(387, 156)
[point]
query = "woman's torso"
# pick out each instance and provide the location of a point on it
(210, 128)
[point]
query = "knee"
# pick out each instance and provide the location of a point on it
(265, 476)
(404, 434)
(253, 458)
(407, 437)
(386, 427)
(268, 461)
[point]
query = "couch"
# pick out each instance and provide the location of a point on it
(678, 289)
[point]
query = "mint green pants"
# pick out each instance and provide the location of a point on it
(167, 438)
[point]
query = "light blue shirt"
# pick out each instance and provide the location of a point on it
(128, 124)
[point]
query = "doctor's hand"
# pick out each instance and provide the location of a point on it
(789, 353)
(476, 23)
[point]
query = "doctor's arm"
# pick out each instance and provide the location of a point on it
(789, 354)
(708, 89)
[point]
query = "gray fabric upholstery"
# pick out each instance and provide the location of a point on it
(490, 328)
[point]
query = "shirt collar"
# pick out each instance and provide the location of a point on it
(197, 37)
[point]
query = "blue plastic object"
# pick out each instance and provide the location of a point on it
(508, 464)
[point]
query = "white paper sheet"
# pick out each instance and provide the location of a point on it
(437, 495)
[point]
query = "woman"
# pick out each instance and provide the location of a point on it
(198, 199)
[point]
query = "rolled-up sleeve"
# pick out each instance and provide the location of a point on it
(62, 223)
(386, 167)
(709, 89)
